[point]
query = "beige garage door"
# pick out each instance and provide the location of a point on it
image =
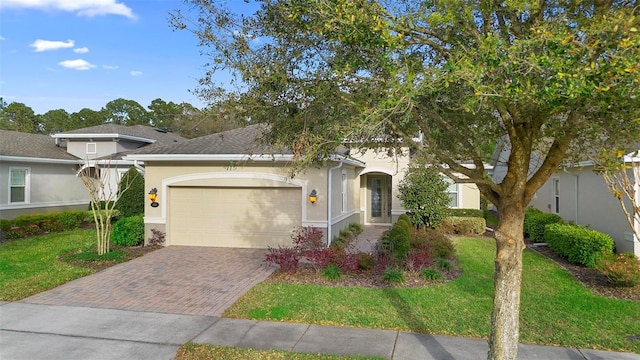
(233, 217)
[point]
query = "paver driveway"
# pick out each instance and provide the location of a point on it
(174, 280)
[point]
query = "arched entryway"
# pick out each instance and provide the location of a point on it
(377, 197)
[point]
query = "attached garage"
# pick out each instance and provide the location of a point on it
(245, 217)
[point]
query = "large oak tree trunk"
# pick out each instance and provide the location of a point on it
(503, 342)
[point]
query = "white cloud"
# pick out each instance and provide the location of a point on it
(81, 50)
(77, 64)
(2, 38)
(46, 45)
(88, 8)
(135, 73)
(111, 67)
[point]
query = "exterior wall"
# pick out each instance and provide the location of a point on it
(51, 187)
(104, 147)
(161, 175)
(586, 200)
(469, 196)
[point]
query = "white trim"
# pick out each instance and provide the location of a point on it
(102, 136)
(383, 170)
(18, 206)
(343, 216)
(398, 212)
(344, 191)
(208, 157)
(318, 224)
(27, 185)
(89, 151)
(38, 160)
(154, 220)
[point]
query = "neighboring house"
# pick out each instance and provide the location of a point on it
(37, 176)
(227, 190)
(38, 173)
(578, 194)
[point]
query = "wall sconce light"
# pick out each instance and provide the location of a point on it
(153, 196)
(313, 196)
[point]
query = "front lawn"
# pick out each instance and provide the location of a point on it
(191, 351)
(556, 309)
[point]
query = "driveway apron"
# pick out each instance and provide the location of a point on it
(172, 280)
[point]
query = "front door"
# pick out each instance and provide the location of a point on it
(379, 196)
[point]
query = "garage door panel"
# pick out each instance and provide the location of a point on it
(233, 217)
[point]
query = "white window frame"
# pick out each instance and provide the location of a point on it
(455, 191)
(345, 190)
(27, 184)
(555, 195)
(92, 148)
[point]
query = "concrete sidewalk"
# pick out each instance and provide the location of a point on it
(36, 331)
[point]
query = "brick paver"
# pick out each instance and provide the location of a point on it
(175, 280)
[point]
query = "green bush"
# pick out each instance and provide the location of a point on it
(128, 231)
(332, 272)
(422, 193)
(393, 276)
(36, 224)
(528, 213)
(131, 195)
(432, 274)
(466, 212)
(439, 245)
(536, 223)
(577, 244)
(356, 228)
(444, 264)
(396, 241)
(465, 225)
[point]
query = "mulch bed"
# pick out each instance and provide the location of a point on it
(132, 253)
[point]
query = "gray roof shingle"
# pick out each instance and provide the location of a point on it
(140, 131)
(244, 140)
(14, 143)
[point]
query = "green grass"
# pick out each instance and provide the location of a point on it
(492, 220)
(29, 266)
(191, 351)
(556, 309)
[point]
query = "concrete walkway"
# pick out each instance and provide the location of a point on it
(51, 332)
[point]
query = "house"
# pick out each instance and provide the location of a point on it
(228, 190)
(37, 176)
(38, 173)
(578, 193)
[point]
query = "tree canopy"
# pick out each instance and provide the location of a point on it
(550, 77)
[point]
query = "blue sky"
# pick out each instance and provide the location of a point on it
(74, 54)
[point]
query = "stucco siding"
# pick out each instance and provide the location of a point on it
(469, 196)
(103, 148)
(51, 187)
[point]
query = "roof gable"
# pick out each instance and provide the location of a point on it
(18, 144)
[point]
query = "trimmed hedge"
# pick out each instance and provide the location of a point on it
(466, 212)
(535, 222)
(128, 231)
(577, 244)
(464, 225)
(396, 240)
(36, 224)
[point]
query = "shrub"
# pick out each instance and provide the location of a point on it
(396, 241)
(307, 238)
(157, 237)
(465, 225)
(418, 259)
(577, 244)
(438, 245)
(285, 257)
(422, 192)
(366, 261)
(356, 228)
(466, 212)
(405, 217)
(536, 225)
(131, 194)
(622, 269)
(332, 272)
(444, 264)
(348, 262)
(70, 220)
(393, 276)
(432, 274)
(128, 231)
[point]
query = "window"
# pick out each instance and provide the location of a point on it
(556, 196)
(92, 148)
(19, 185)
(344, 191)
(452, 191)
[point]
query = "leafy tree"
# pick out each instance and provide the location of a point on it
(19, 117)
(86, 118)
(552, 78)
(163, 114)
(131, 201)
(125, 112)
(55, 121)
(422, 192)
